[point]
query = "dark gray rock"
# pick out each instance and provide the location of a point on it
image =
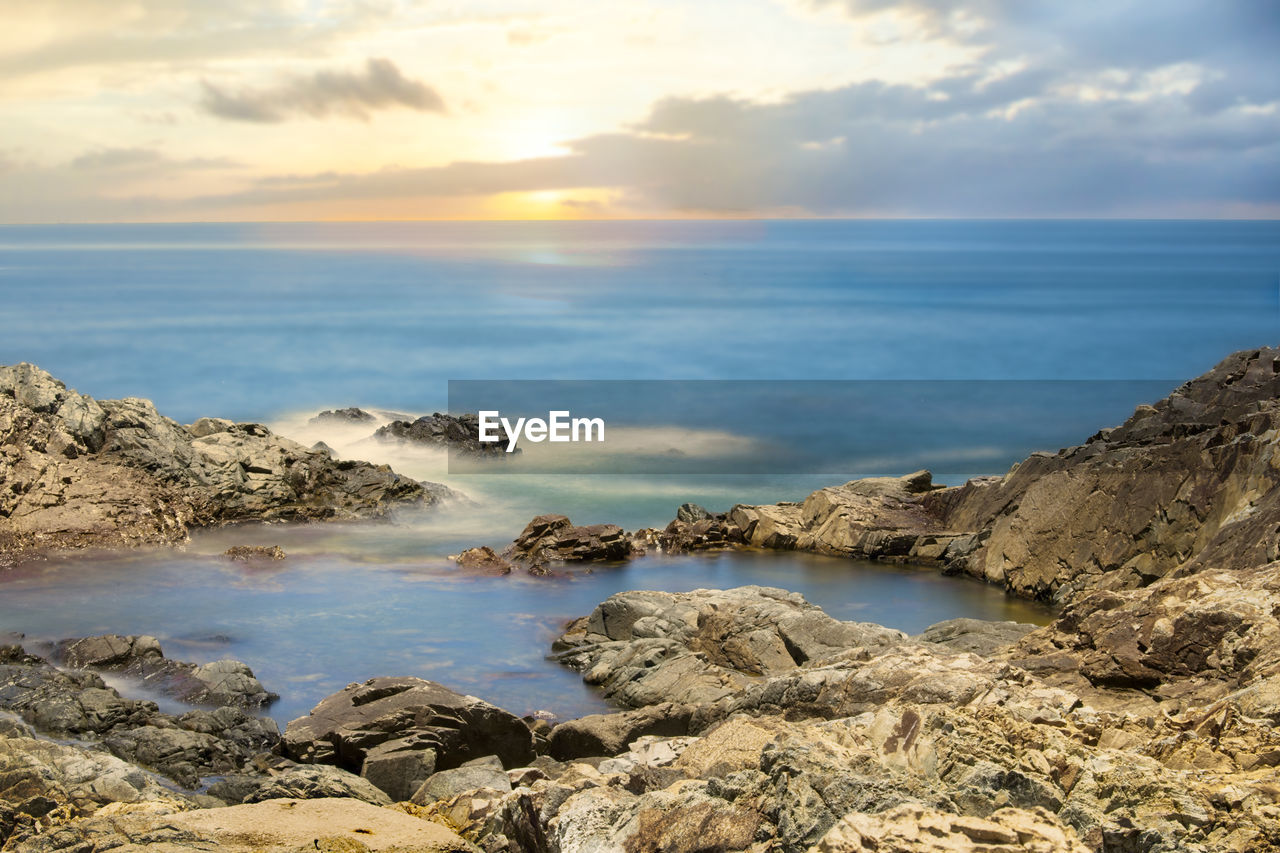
(344, 728)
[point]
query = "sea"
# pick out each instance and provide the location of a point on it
(754, 360)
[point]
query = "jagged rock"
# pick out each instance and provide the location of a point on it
(224, 682)
(459, 433)
(1186, 640)
(249, 553)
(553, 539)
(915, 829)
(80, 472)
(690, 513)
(975, 635)
(345, 416)
(79, 703)
(39, 776)
(484, 561)
(415, 714)
(645, 648)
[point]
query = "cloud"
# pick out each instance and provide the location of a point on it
(131, 159)
(379, 85)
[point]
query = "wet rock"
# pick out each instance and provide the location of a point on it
(418, 714)
(549, 539)
(483, 560)
(250, 553)
(224, 682)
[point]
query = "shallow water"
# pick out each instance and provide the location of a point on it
(319, 620)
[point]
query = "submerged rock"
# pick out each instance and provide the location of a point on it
(250, 553)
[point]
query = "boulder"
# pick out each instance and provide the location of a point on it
(551, 539)
(483, 560)
(415, 714)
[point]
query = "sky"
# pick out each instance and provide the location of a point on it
(261, 110)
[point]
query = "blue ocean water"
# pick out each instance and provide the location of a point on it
(274, 322)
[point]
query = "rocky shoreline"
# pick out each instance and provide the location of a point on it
(1144, 718)
(82, 473)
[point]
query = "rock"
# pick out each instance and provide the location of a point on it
(916, 829)
(249, 553)
(646, 648)
(79, 704)
(483, 560)
(690, 513)
(975, 635)
(224, 682)
(417, 714)
(450, 783)
(399, 767)
(78, 780)
(335, 825)
(344, 416)
(610, 734)
(315, 781)
(553, 539)
(458, 433)
(80, 473)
